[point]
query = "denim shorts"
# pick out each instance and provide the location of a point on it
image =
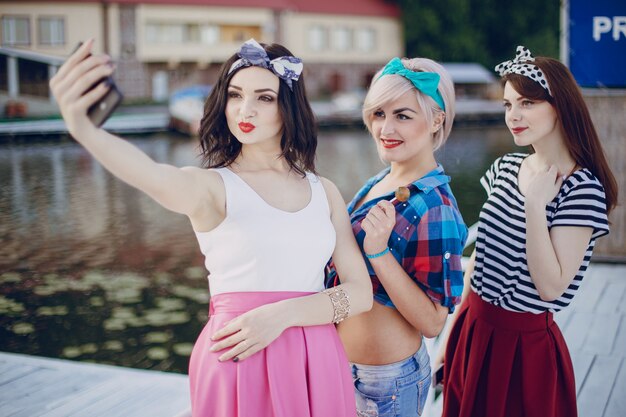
(395, 390)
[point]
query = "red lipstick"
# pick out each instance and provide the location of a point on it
(246, 127)
(391, 143)
(518, 130)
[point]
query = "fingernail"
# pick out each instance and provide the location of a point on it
(212, 349)
(235, 359)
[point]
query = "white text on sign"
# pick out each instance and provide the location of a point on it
(605, 24)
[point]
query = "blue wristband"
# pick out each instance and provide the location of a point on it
(377, 255)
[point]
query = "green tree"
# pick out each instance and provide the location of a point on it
(484, 31)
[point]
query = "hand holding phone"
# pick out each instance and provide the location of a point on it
(100, 111)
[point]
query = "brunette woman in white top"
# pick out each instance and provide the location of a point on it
(266, 224)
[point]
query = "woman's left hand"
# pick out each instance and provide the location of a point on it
(544, 186)
(249, 333)
(378, 225)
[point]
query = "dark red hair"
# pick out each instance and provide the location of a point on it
(580, 134)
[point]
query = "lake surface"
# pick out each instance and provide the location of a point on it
(93, 270)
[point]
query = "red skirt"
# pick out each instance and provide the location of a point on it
(500, 363)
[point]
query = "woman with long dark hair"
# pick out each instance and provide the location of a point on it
(505, 355)
(266, 224)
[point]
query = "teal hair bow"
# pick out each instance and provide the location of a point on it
(426, 82)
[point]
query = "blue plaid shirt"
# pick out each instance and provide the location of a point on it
(427, 240)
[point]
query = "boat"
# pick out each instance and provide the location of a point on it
(186, 107)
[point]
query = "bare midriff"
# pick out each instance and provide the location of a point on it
(379, 337)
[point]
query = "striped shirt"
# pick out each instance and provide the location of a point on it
(501, 274)
(427, 239)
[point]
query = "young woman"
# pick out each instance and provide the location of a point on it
(505, 355)
(266, 224)
(413, 245)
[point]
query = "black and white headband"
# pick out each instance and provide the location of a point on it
(521, 65)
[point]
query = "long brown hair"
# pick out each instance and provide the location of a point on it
(220, 147)
(580, 134)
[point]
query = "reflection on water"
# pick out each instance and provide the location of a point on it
(91, 269)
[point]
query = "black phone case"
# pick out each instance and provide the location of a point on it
(100, 111)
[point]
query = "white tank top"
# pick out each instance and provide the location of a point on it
(261, 248)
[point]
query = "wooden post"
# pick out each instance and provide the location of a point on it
(608, 111)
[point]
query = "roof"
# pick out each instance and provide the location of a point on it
(384, 8)
(32, 56)
(469, 73)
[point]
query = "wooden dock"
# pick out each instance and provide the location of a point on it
(119, 123)
(594, 327)
(41, 387)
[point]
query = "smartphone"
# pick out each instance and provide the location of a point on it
(100, 111)
(438, 376)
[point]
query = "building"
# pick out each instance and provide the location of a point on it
(161, 45)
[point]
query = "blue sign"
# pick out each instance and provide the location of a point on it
(597, 42)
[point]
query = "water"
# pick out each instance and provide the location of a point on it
(93, 270)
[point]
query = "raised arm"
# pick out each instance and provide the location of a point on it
(254, 330)
(186, 190)
(555, 255)
(427, 315)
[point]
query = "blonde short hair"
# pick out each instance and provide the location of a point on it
(391, 86)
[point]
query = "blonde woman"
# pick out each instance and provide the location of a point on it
(412, 244)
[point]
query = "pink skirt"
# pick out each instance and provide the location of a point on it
(304, 372)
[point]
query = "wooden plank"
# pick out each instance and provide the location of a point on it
(582, 364)
(19, 390)
(143, 400)
(596, 388)
(86, 402)
(590, 292)
(36, 402)
(609, 272)
(10, 373)
(563, 318)
(577, 330)
(601, 334)
(60, 388)
(612, 297)
(619, 346)
(616, 406)
(125, 396)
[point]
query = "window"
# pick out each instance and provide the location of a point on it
(318, 38)
(342, 39)
(238, 34)
(15, 30)
(209, 34)
(366, 40)
(192, 33)
(165, 33)
(51, 31)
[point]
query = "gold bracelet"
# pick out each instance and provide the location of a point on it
(341, 303)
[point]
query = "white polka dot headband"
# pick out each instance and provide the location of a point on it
(521, 65)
